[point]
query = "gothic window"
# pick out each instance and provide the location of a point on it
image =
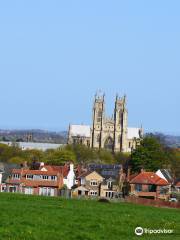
(99, 116)
(120, 117)
(108, 144)
(98, 138)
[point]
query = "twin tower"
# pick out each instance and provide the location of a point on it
(107, 133)
(110, 133)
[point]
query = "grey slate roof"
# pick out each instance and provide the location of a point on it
(106, 170)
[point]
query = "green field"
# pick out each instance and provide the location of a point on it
(31, 217)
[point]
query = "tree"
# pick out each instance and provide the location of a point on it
(150, 155)
(7, 152)
(83, 154)
(174, 161)
(33, 155)
(60, 156)
(122, 158)
(106, 156)
(18, 160)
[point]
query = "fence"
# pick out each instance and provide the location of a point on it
(151, 202)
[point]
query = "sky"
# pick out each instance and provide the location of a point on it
(55, 55)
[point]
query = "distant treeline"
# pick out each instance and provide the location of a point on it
(151, 155)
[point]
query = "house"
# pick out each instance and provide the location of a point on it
(37, 182)
(110, 188)
(80, 191)
(91, 181)
(67, 171)
(5, 170)
(114, 178)
(149, 185)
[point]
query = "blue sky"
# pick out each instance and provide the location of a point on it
(54, 56)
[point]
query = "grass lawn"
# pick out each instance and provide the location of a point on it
(33, 217)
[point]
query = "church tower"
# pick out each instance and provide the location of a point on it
(110, 133)
(120, 125)
(98, 119)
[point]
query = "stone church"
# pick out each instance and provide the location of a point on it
(109, 133)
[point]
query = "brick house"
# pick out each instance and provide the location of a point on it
(37, 182)
(67, 171)
(149, 185)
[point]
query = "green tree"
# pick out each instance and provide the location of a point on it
(18, 160)
(60, 156)
(174, 161)
(106, 156)
(122, 158)
(33, 155)
(83, 154)
(150, 155)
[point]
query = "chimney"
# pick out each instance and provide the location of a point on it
(71, 167)
(41, 164)
(25, 165)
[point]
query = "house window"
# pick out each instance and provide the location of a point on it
(28, 190)
(138, 187)
(3, 189)
(37, 177)
(109, 184)
(109, 194)
(45, 191)
(45, 177)
(12, 189)
(16, 176)
(93, 193)
(152, 188)
(93, 183)
(53, 178)
(29, 176)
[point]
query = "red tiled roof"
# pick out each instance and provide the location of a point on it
(61, 169)
(149, 178)
(178, 184)
(34, 172)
